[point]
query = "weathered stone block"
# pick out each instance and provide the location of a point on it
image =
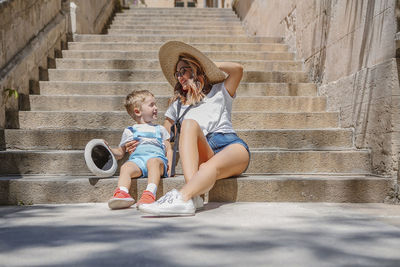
(366, 46)
(2, 139)
(254, 16)
(372, 83)
(346, 17)
(92, 15)
(355, 34)
(366, 102)
(21, 21)
(2, 49)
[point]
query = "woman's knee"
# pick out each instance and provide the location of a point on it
(189, 124)
(231, 161)
(209, 168)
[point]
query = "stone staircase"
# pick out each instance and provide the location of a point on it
(298, 150)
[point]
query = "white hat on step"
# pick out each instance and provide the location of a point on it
(99, 158)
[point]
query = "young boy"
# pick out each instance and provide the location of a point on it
(150, 159)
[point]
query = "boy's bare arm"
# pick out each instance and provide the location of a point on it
(119, 152)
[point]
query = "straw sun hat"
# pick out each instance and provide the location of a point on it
(169, 55)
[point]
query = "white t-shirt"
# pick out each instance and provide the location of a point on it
(127, 135)
(213, 113)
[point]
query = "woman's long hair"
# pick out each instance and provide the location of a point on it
(199, 86)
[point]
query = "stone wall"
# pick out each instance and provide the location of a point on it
(348, 49)
(21, 21)
(93, 15)
(368, 101)
(158, 3)
(32, 34)
(259, 15)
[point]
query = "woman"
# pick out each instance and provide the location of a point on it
(209, 147)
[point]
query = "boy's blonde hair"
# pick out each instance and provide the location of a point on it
(135, 100)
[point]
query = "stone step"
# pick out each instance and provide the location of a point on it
(71, 162)
(176, 19)
(158, 15)
(181, 10)
(154, 64)
(132, 46)
(165, 26)
(216, 20)
(163, 88)
(183, 38)
(174, 13)
(158, 76)
(205, 23)
(190, 15)
(178, 11)
(176, 25)
(213, 55)
(274, 188)
(64, 139)
(115, 103)
(166, 32)
(120, 119)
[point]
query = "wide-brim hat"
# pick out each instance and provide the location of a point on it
(99, 158)
(169, 55)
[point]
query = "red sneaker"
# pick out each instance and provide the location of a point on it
(120, 200)
(147, 198)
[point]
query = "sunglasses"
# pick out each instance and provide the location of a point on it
(182, 72)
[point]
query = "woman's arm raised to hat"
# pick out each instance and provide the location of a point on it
(235, 73)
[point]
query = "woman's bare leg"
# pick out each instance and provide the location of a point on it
(231, 161)
(193, 148)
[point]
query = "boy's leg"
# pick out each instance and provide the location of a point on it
(128, 171)
(155, 169)
(121, 198)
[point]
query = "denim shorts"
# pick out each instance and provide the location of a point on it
(219, 141)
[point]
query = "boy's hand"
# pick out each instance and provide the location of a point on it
(105, 142)
(118, 152)
(131, 146)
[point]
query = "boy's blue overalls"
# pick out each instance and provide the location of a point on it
(144, 152)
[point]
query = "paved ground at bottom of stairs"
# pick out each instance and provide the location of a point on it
(223, 234)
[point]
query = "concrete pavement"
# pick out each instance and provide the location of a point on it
(224, 234)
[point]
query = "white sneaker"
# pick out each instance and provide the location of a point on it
(198, 202)
(171, 204)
